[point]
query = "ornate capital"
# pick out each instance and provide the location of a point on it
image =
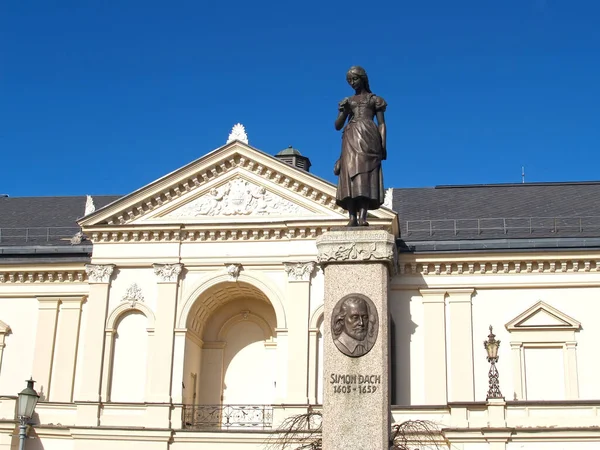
(357, 246)
(299, 271)
(167, 273)
(133, 294)
(98, 273)
(234, 271)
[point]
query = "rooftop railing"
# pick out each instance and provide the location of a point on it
(502, 225)
(39, 235)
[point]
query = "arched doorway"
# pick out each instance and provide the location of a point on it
(229, 362)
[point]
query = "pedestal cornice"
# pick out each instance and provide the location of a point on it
(357, 245)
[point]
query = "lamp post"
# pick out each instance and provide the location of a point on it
(26, 403)
(491, 347)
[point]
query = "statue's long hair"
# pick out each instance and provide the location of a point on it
(362, 73)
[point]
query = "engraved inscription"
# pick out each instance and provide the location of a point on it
(354, 325)
(352, 383)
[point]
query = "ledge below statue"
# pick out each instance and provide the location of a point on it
(357, 245)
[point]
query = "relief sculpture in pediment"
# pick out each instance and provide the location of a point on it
(239, 197)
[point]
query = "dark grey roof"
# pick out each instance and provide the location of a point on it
(528, 212)
(289, 151)
(43, 221)
(509, 216)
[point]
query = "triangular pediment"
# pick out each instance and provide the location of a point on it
(235, 183)
(542, 316)
(4, 328)
(239, 196)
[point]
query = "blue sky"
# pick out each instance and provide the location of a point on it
(103, 97)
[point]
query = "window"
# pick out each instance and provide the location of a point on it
(543, 346)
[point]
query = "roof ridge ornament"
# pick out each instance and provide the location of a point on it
(89, 205)
(238, 133)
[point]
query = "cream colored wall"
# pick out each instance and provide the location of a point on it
(407, 356)
(124, 277)
(249, 375)
(552, 446)
(192, 365)
(496, 300)
(130, 359)
(497, 307)
(21, 315)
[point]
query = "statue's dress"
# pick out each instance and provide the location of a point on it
(362, 152)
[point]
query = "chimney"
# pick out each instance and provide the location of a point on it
(293, 157)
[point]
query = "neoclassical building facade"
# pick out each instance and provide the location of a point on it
(189, 313)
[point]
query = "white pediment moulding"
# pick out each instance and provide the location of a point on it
(474, 267)
(215, 168)
(43, 276)
(239, 197)
(542, 316)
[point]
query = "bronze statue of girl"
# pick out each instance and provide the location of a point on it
(360, 178)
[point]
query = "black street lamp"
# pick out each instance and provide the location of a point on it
(26, 403)
(491, 347)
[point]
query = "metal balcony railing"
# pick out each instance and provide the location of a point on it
(227, 417)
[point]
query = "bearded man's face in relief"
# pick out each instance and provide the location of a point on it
(356, 323)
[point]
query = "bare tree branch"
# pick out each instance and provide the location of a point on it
(418, 434)
(299, 432)
(303, 432)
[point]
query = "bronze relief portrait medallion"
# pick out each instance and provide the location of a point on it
(354, 325)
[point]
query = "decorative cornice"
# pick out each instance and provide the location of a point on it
(43, 276)
(133, 294)
(167, 273)
(299, 271)
(359, 245)
(512, 266)
(160, 235)
(98, 273)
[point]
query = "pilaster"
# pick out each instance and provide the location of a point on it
(434, 326)
(92, 349)
(462, 385)
(45, 339)
(63, 374)
(212, 363)
(298, 299)
(313, 350)
(178, 365)
(162, 351)
(571, 377)
(282, 355)
(517, 364)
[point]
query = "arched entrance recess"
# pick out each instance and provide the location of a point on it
(229, 355)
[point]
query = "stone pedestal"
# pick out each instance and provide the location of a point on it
(356, 404)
